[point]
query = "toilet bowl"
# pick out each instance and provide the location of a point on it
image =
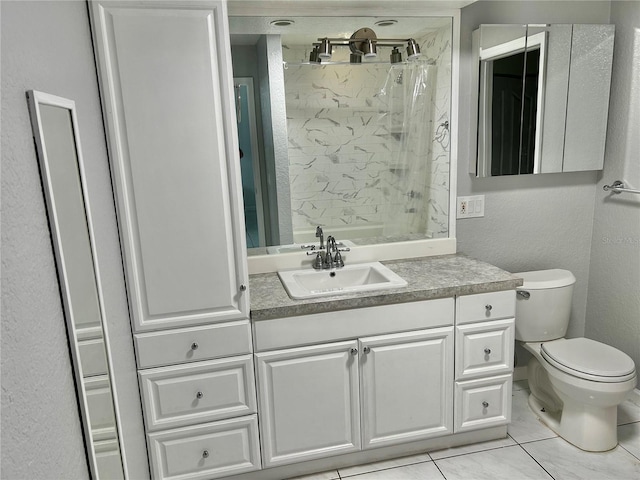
(576, 384)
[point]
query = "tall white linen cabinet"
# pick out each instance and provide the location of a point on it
(167, 91)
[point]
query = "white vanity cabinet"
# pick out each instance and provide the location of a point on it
(485, 337)
(365, 392)
(175, 159)
(309, 402)
(176, 175)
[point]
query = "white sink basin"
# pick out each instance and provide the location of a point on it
(362, 277)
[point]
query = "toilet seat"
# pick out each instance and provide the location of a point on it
(588, 359)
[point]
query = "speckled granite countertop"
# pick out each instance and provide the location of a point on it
(427, 277)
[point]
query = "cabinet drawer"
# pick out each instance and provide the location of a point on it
(192, 344)
(198, 392)
(102, 418)
(347, 324)
(485, 307)
(482, 403)
(484, 349)
(206, 451)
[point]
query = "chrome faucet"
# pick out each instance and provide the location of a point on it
(320, 235)
(328, 256)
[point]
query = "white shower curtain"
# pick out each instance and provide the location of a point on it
(407, 99)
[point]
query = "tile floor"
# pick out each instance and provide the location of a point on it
(531, 451)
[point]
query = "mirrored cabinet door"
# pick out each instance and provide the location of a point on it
(542, 97)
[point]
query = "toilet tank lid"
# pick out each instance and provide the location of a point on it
(541, 279)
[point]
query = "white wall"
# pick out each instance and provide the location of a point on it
(531, 221)
(613, 305)
(47, 46)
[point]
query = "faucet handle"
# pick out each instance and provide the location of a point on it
(317, 262)
(309, 247)
(338, 261)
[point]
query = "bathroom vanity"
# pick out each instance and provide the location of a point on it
(337, 380)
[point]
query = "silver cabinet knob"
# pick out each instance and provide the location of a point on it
(243, 287)
(194, 346)
(485, 404)
(487, 351)
(489, 307)
(366, 349)
(354, 351)
(205, 454)
(199, 395)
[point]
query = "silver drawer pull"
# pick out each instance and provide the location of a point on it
(199, 395)
(194, 346)
(354, 351)
(243, 288)
(485, 404)
(487, 351)
(205, 454)
(489, 307)
(366, 349)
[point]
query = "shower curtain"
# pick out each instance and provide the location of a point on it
(407, 111)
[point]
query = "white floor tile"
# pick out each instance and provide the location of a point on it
(417, 471)
(520, 385)
(525, 426)
(628, 412)
(629, 438)
(330, 475)
(474, 447)
(395, 462)
(564, 461)
(501, 464)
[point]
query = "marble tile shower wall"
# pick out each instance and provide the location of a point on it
(340, 163)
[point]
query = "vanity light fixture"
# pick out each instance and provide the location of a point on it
(413, 49)
(396, 56)
(314, 56)
(364, 43)
(369, 49)
(324, 48)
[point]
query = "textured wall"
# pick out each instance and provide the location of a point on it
(531, 221)
(613, 306)
(46, 46)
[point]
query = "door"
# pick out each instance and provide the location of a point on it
(165, 75)
(309, 402)
(407, 386)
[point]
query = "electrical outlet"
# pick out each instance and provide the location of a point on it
(470, 207)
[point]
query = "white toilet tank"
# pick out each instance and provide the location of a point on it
(543, 305)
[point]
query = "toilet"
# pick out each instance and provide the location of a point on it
(576, 384)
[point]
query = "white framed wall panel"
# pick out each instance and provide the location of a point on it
(165, 72)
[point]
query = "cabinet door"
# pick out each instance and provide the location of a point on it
(308, 402)
(407, 386)
(165, 76)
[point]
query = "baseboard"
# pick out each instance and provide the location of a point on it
(519, 373)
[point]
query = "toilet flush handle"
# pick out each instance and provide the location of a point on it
(523, 294)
